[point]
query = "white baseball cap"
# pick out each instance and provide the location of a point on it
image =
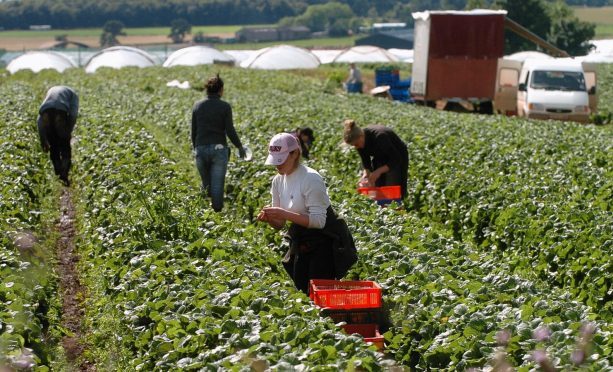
(279, 148)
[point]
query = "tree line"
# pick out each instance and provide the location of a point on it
(66, 14)
(553, 21)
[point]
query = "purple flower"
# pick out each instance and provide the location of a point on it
(541, 334)
(577, 356)
(503, 337)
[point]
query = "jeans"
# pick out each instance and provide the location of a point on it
(212, 163)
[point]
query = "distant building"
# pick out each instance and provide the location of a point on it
(258, 34)
(252, 34)
(389, 38)
(294, 33)
(40, 27)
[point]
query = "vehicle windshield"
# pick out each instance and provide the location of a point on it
(558, 80)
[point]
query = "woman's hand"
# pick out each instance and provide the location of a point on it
(273, 216)
(374, 176)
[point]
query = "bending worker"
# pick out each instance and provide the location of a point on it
(299, 195)
(385, 157)
(57, 118)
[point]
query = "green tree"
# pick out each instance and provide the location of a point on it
(476, 4)
(325, 16)
(178, 29)
(110, 31)
(568, 32)
(554, 22)
(532, 14)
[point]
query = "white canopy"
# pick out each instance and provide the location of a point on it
(281, 57)
(118, 57)
(365, 53)
(240, 55)
(37, 61)
(326, 55)
(522, 56)
(604, 46)
(405, 55)
(197, 55)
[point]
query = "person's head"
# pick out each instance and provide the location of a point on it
(306, 135)
(352, 65)
(284, 153)
(353, 134)
(214, 86)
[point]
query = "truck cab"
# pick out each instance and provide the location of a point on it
(558, 89)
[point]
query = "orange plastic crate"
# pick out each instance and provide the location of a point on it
(336, 294)
(370, 332)
(383, 195)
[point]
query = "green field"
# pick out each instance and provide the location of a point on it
(143, 31)
(602, 17)
(507, 227)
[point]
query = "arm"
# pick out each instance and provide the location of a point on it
(374, 176)
(194, 128)
(42, 133)
(230, 130)
(275, 222)
(316, 202)
(74, 108)
(387, 151)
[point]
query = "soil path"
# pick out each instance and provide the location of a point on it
(72, 291)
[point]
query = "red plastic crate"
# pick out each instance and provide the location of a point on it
(336, 294)
(370, 332)
(382, 195)
(354, 316)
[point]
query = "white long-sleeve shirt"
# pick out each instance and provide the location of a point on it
(302, 191)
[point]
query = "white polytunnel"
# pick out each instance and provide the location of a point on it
(197, 55)
(405, 55)
(37, 61)
(281, 57)
(240, 55)
(326, 55)
(118, 57)
(365, 54)
(532, 54)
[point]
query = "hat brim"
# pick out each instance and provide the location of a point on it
(276, 159)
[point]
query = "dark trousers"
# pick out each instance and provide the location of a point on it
(58, 132)
(318, 264)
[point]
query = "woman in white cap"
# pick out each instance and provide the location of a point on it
(299, 195)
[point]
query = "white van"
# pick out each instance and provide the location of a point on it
(559, 89)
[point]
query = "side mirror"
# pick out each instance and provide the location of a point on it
(592, 90)
(521, 87)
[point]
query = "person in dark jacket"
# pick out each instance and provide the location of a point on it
(385, 157)
(57, 117)
(305, 137)
(211, 123)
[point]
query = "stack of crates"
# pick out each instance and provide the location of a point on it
(356, 303)
(399, 89)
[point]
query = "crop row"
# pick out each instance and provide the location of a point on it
(28, 307)
(185, 287)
